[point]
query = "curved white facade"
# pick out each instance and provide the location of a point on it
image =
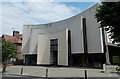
(36, 38)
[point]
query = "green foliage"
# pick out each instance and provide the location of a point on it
(8, 50)
(108, 15)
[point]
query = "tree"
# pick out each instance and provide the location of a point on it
(8, 50)
(108, 15)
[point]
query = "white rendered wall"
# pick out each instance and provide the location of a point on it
(43, 55)
(94, 38)
(31, 32)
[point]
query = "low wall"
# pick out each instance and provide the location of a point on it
(26, 70)
(40, 71)
(13, 70)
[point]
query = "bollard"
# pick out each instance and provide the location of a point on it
(21, 71)
(46, 73)
(85, 74)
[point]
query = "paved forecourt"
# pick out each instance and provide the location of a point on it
(40, 71)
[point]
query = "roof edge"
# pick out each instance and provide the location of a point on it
(97, 4)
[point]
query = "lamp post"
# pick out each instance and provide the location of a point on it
(106, 46)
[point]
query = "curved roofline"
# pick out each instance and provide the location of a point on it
(63, 19)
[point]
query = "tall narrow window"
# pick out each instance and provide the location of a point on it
(84, 35)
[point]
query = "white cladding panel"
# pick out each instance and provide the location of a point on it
(43, 54)
(76, 36)
(25, 42)
(33, 42)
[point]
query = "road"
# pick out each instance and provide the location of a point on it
(31, 77)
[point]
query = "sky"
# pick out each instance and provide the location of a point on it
(16, 14)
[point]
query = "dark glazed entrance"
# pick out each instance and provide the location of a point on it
(54, 51)
(30, 60)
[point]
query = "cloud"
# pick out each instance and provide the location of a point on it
(16, 14)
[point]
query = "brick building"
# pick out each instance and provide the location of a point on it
(17, 40)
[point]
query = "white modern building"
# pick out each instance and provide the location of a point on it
(75, 41)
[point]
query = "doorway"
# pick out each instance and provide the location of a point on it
(54, 52)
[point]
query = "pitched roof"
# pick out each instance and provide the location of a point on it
(14, 39)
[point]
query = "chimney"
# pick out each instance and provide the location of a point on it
(15, 33)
